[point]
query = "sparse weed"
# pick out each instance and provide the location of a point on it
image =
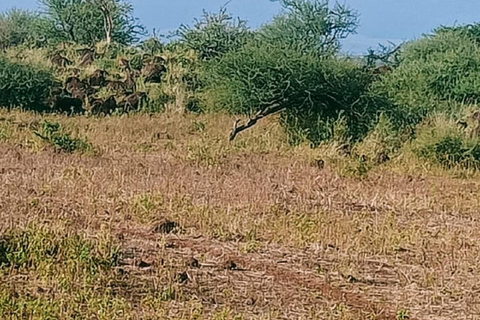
(5, 132)
(403, 314)
(68, 266)
(207, 153)
(54, 134)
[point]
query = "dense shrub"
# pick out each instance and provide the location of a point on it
(382, 142)
(180, 84)
(313, 92)
(471, 31)
(152, 45)
(437, 73)
(440, 140)
(23, 85)
(291, 67)
(19, 27)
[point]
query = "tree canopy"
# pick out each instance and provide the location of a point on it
(83, 21)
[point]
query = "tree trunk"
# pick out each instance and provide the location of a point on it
(105, 8)
(108, 21)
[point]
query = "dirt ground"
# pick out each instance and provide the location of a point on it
(249, 230)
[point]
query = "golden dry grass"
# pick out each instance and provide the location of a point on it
(275, 237)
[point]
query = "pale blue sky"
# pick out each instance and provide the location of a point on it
(381, 20)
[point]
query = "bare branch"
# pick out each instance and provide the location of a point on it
(270, 110)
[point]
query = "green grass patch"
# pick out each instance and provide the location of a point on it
(54, 134)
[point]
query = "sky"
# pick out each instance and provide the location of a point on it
(381, 20)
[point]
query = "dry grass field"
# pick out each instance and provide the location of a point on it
(159, 217)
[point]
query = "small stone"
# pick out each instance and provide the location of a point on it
(192, 262)
(250, 301)
(167, 227)
(144, 264)
(170, 245)
(351, 279)
(181, 277)
(382, 157)
(320, 163)
(231, 265)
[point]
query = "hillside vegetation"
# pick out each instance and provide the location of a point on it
(230, 173)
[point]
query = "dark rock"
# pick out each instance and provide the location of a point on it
(69, 105)
(320, 164)
(167, 227)
(153, 72)
(192, 262)
(382, 157)
(231, 265)
(181, 277)
(144, 265)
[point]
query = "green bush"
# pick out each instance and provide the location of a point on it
(381, 142)
(24, 86)
(438, 73)
(314, 92)
(39, 248)
(181, 84)
(291, 66)
(311, 26)
(471, 31)
(152, 45)
(19, 27)
(136, 62)
(55, 135)
(442, 141)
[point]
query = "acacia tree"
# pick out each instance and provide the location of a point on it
(214, 34)
(311, 25)
(107, 8)
(291, 66)
(90, 21)
(19, 27)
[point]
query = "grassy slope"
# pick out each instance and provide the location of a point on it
(307, 243)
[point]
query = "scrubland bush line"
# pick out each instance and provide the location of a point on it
(292, 66)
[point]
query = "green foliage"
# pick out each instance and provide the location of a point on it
(23, 85)
(152, 45)
(136, 62)
(37, 248)
(471, 31)
(442, 141)
(19, 27)
(386, 55)
(311, 26)
(436, 74)
(82, 22)
(55, 135)
(314, 91)
(180, 85)
(383, 140)
(214, 34)
(77, 277)
(290, 65)
(403, 314)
